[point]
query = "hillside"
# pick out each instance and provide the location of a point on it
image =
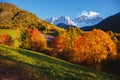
(7, 11)
(29, 65)
(15, 18)
(111, 23)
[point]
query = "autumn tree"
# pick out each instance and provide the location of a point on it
(63, 44)
(6, 39)
(32, 39)
(93, 47)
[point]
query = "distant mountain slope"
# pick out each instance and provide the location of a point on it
(111, 23)
(12, 17)
(62, 25)
(42, 67)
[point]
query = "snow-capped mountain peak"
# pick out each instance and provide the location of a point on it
(61, 19)
(85, 19)
(88, 19)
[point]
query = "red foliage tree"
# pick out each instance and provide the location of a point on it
(5, 39)
(33, 40)
(62, 46)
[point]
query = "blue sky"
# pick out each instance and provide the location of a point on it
(48, 8)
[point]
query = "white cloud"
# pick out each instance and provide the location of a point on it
(92, 14)
(89, 14)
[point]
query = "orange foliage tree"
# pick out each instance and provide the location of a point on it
(93, 47)
(33, 39)
(5, 39)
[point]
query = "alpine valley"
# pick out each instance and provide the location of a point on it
(34, 49)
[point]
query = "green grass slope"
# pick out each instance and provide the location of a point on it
(13, 33)
(29, 65)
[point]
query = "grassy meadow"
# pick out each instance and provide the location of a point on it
(32, 65)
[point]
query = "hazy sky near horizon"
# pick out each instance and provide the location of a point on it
(48, 8)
